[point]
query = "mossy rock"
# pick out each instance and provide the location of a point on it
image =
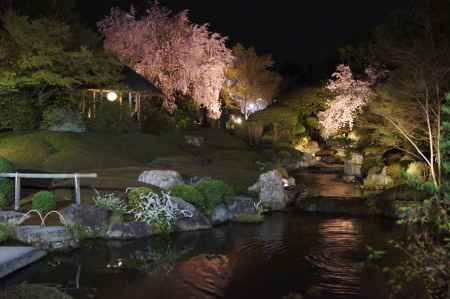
(283, 172)
(248, 218)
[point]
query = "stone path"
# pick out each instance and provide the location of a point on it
(15, 258)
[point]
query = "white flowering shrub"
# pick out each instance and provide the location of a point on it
(159, 211)
(111, 202)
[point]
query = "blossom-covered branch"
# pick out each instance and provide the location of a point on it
(351, 96)
(175, 54)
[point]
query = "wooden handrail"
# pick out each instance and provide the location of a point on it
(48, 175)
(17, 176)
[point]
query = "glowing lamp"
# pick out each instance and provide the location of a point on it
(238, 120)
(111, 96)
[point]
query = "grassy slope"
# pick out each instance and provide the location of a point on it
(119, 159)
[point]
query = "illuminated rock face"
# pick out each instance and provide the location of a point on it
(164, 179)
(271, 190)
(352, 166)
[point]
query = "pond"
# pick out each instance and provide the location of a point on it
(317, 256)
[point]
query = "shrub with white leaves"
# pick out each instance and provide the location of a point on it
(159, 211)
(111, 202)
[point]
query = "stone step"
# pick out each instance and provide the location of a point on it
(15, 258)
(52, 238)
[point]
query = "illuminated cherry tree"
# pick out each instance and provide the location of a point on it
(175, 54)
(351, 96)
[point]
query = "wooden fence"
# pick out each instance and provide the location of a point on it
(18, 176)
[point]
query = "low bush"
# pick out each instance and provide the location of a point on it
(188, 193)
(135, 195)
(248, 218)
(214, 192)
(111, 202)
(43, 202)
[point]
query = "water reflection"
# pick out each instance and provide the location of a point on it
(317, 256)
(336, 257)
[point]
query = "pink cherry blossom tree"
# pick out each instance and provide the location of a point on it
(351, 96)
(175, 54)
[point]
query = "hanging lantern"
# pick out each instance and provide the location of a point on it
(111, 96)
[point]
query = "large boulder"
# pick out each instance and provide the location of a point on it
(52, 238)
(63, 120)
(353, 165)
(271, 190)
(221, 214)
(163, 179)
(130, 230)
(197, 221)
(93, 220)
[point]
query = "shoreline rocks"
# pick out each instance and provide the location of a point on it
(198, 221)
(51, 238)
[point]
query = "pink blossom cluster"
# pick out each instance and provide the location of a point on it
(176, 55)
(351, 96)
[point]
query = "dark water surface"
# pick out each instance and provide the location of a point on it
(317, 256)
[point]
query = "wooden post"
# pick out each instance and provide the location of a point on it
(17, 192)
(77, 189)
(120, 107)
(139, 110)
(94, 108)
(130, 102)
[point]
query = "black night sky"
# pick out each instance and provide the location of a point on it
(298, 31)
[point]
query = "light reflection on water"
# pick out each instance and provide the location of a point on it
(320, 257)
